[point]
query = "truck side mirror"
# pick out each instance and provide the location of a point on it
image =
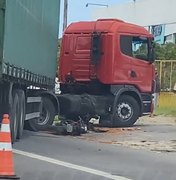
(152, 56)
(96, 48)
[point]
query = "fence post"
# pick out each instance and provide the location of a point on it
(160, 70)
(171, 75)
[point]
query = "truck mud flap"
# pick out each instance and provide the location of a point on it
(34, 105)
(33, 111)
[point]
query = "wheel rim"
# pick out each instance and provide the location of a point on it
(45, 116)
(124, 111)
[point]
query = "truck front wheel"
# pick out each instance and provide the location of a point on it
(126, 111)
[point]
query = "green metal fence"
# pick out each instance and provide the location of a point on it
(167, 74)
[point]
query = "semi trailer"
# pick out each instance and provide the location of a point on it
(28, 58)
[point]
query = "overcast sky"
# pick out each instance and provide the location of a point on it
(77, 10)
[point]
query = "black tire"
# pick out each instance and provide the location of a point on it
(22, 112)
(14, 116)
(126, 112)
(47, 116)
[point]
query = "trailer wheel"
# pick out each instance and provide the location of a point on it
(47, 116)
(126, 112)
(22, 112)
(14, 116)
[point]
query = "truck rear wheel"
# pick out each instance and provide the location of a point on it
(46, 118)
(22, 112)
(126, 111)
(14, 116)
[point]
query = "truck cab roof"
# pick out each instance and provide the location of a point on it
(106, 26)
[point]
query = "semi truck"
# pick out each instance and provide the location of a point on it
(105, 68)
(106, 71)
(28, 58)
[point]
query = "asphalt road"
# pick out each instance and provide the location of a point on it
(41, 156)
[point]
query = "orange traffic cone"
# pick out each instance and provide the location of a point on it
(6, 154)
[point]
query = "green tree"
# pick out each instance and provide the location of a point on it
(166, 51)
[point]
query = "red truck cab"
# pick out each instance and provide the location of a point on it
(112, 62)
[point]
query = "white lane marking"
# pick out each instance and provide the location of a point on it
(5, 146)
(70, 165)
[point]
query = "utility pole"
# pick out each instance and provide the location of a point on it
(65, 14)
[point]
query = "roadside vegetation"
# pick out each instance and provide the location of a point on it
(166, 111)
(166, 51)
(167, 104)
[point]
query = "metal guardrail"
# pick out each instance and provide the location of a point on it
(167, 73)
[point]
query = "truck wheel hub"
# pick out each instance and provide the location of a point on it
(124, 111)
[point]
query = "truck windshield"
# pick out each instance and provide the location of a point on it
(137, 47)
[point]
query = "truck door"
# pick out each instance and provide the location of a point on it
(82, 68)
(75, 63)
(141, 72)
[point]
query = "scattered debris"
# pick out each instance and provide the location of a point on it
(156, 135)
(160, 146)
(69, 127)
(95, 120)
(145, 135)
(114, 130)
